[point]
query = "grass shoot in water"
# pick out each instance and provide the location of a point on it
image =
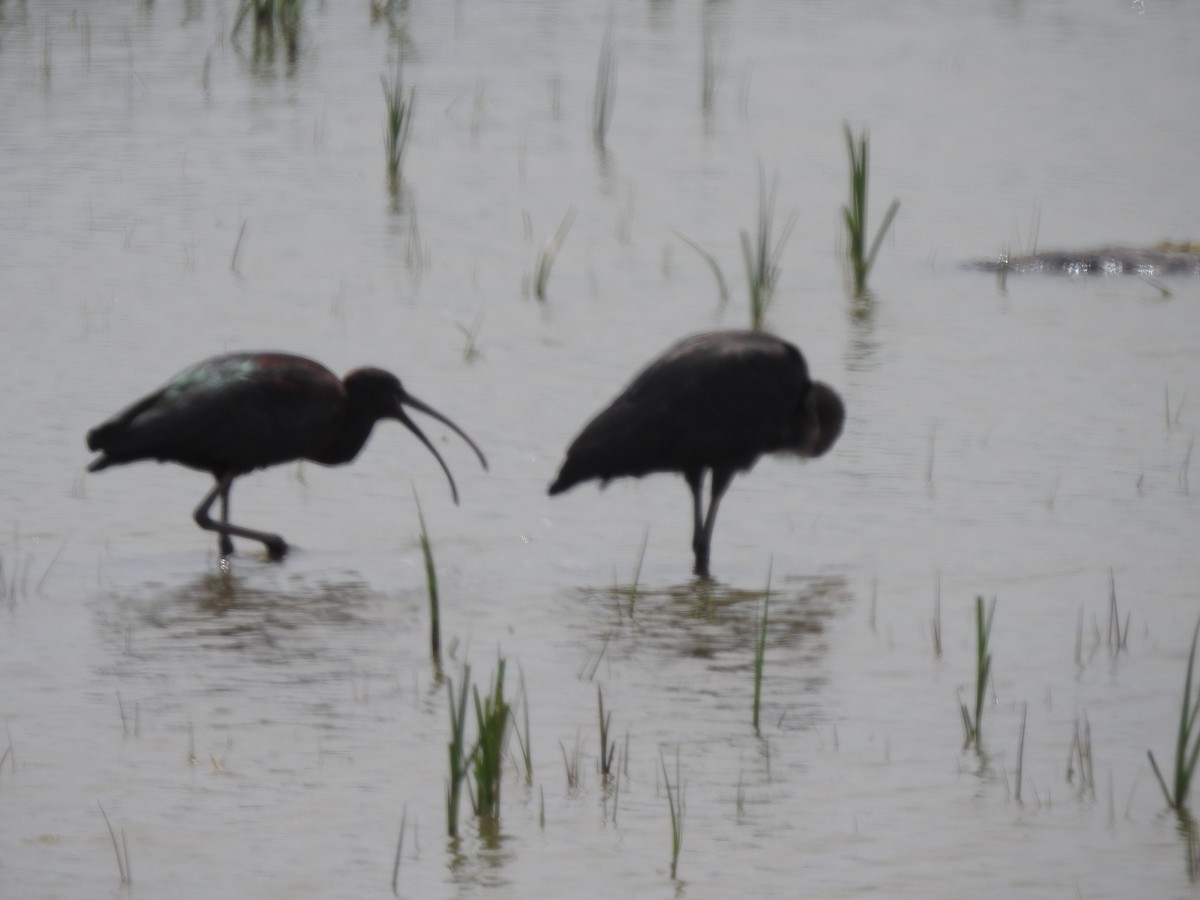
(855, 213)
(1187, 742)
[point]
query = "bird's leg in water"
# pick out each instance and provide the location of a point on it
(226, 541)
(695, 481)
(276, 546)
(702, 536)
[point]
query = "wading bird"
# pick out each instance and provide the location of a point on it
(232, 414)
(715, 401)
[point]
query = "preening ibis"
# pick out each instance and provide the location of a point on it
(715, 401)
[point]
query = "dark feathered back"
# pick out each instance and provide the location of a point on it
(717, 399)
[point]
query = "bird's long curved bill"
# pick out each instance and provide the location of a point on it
(410, 400)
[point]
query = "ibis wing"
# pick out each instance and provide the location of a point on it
(235, 412)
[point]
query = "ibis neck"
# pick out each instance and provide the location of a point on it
(345, 442)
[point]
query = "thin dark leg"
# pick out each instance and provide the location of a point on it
(721, 479)
(695, 480)
(276, 547)
(226, 542)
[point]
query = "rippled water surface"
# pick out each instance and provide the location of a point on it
(168, 192)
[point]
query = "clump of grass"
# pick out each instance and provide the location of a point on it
(760, 649)
(973, 726)
(1187, 741)
(458, 756)
(855, 212)
(493, 716)
(271, 19)
(675, 807)
(762, 254)
(431, 582)
(397, 125)
(606, 88)
(548, 253)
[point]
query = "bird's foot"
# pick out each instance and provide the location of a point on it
(226, 546)
(277, 548)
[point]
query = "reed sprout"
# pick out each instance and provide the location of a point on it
(675, 806)
(983, 668)
(493, 716)
(470, 351)
(588, 671)
(571, 765)
(397, 125)
(637, 572)
(458, 756)
(760, 650)
(722, 287)
(237, 248)
(710, 67)
(431, 582)
(761, 255)
(121, 849)
(399, 849)
(1187, 741)
(937, 618)
(1079, 758)
(860, 258)
(1118, 638)
(523, 740)
(1020, 776)
(548, 253)
(606, 87)
(608, 749)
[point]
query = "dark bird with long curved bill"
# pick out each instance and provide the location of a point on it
(713, 402)
(235, 413)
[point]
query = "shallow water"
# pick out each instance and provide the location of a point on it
(260, 732)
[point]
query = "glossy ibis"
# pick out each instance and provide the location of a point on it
(232, 414)
(715, 401)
